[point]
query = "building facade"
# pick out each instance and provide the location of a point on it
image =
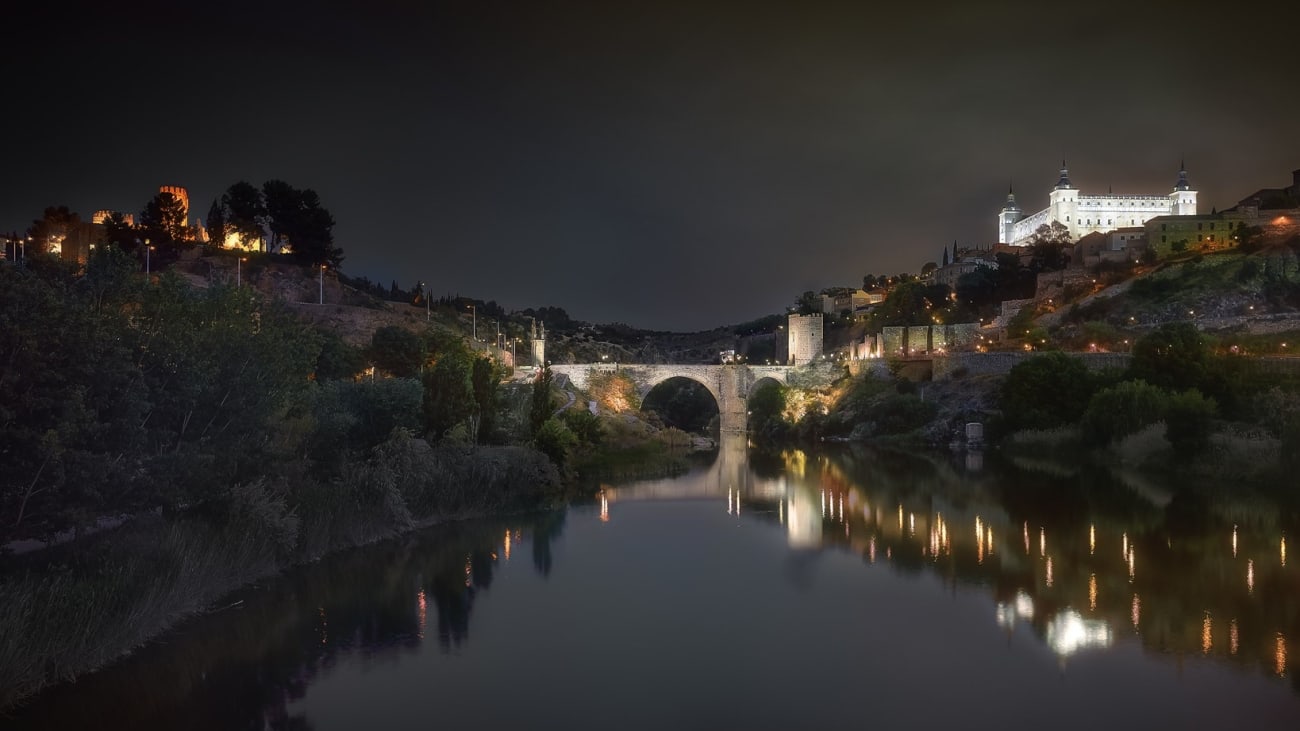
(1084, 214)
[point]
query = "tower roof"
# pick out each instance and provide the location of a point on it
(1182, 183)
(1064, 181)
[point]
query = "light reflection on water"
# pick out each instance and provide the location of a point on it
(668, 600)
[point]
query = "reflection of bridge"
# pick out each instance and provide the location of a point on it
(730, 385)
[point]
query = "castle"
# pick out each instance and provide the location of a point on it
(1085, 214)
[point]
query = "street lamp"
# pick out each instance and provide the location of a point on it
(474, 322)
(322, 284)
(239, 279)
(428, 313)
(147, 249)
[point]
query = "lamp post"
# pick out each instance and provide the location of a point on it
(473, 323)
(147, 249)
(322, 284)
(428, 313)
(239, 278)
(498, 341)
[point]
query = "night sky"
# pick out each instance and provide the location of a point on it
(667, 165)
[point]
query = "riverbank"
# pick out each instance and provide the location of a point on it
(75, 608)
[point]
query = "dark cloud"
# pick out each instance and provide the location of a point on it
(671, 165)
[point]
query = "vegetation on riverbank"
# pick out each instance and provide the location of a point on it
(235, 439)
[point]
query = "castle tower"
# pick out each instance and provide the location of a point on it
(181, 195)
(538, 343)
(1063, 202)
(1007, 218)
(1182, 202)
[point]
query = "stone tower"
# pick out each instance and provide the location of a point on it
(1062, 202)
(537, 340)
(1008, 217)
(1183, 199)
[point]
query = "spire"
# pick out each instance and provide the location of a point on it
(1064, 181)
(1010, 205)
(1182, 183)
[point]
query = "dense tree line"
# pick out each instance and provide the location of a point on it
(122, 395)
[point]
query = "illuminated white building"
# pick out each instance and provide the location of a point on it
(1085, 214)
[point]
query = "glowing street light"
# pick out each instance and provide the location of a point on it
(473, 322)
(147, 249)
(239, 276)
(322, 284)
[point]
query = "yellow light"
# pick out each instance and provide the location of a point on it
(1206, 638)
(1092, 592)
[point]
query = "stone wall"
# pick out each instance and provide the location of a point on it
(1002, 362)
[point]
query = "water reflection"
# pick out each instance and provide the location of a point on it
(945, 516)
(243, 667)
(1057, 579)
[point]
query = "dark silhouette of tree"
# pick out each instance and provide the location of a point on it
(119, 233)
(245, 212)
(1049, 247)
(162, 222)
(50, 228)
(217, 224)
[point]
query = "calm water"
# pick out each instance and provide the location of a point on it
(847, 588)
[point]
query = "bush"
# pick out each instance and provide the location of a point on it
(1188, 418)
(1046, 391)
(1116, 412)
(555, 441)
(901, 414)
(584, 425)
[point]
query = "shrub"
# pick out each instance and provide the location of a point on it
(1123, 409)
(901, 414)
(1188, 418)
(1046, 391)
(555, 441)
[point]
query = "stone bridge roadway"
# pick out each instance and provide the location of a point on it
(730, 385)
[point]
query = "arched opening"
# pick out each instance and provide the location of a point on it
(766, 411)
(685, 404)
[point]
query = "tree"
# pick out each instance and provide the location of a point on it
(448, 393)
(541, 406)
(978, 288)
(1048, 246)
(49, 231)
(296, 218)
(162, 222)
(217, 224)
(1124, 409)
(1188, 422)
(766, 413)
(120, 234)
(1046, 391)
(808, 303)
(397, 351)
(1174, 357)
(245, 212)
(484, 380)
(929, 267)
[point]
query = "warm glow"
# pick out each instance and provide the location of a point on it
(1042, 541)
(1092, 592)
(1206, 639)
(507, 551)
(1279, 655)
(423, 610)
(1232, 637)
(1092, 539)
(1284, 551)
(604, 507)
(1135, 612)
(1131, 561)
(1049, 571)
(1234, 541)
(1250, 576)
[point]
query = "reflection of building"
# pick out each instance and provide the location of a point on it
(1084, 214)
(805, 338)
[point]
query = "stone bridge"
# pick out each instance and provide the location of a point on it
(730, 385)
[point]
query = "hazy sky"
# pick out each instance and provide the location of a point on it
(668, 165)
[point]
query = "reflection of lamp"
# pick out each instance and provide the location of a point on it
(1069, 632)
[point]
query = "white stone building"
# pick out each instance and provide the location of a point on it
(1084, 214)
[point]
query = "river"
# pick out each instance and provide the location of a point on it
(841, 588)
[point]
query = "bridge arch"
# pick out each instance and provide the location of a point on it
(680, 401)
(730, 385)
